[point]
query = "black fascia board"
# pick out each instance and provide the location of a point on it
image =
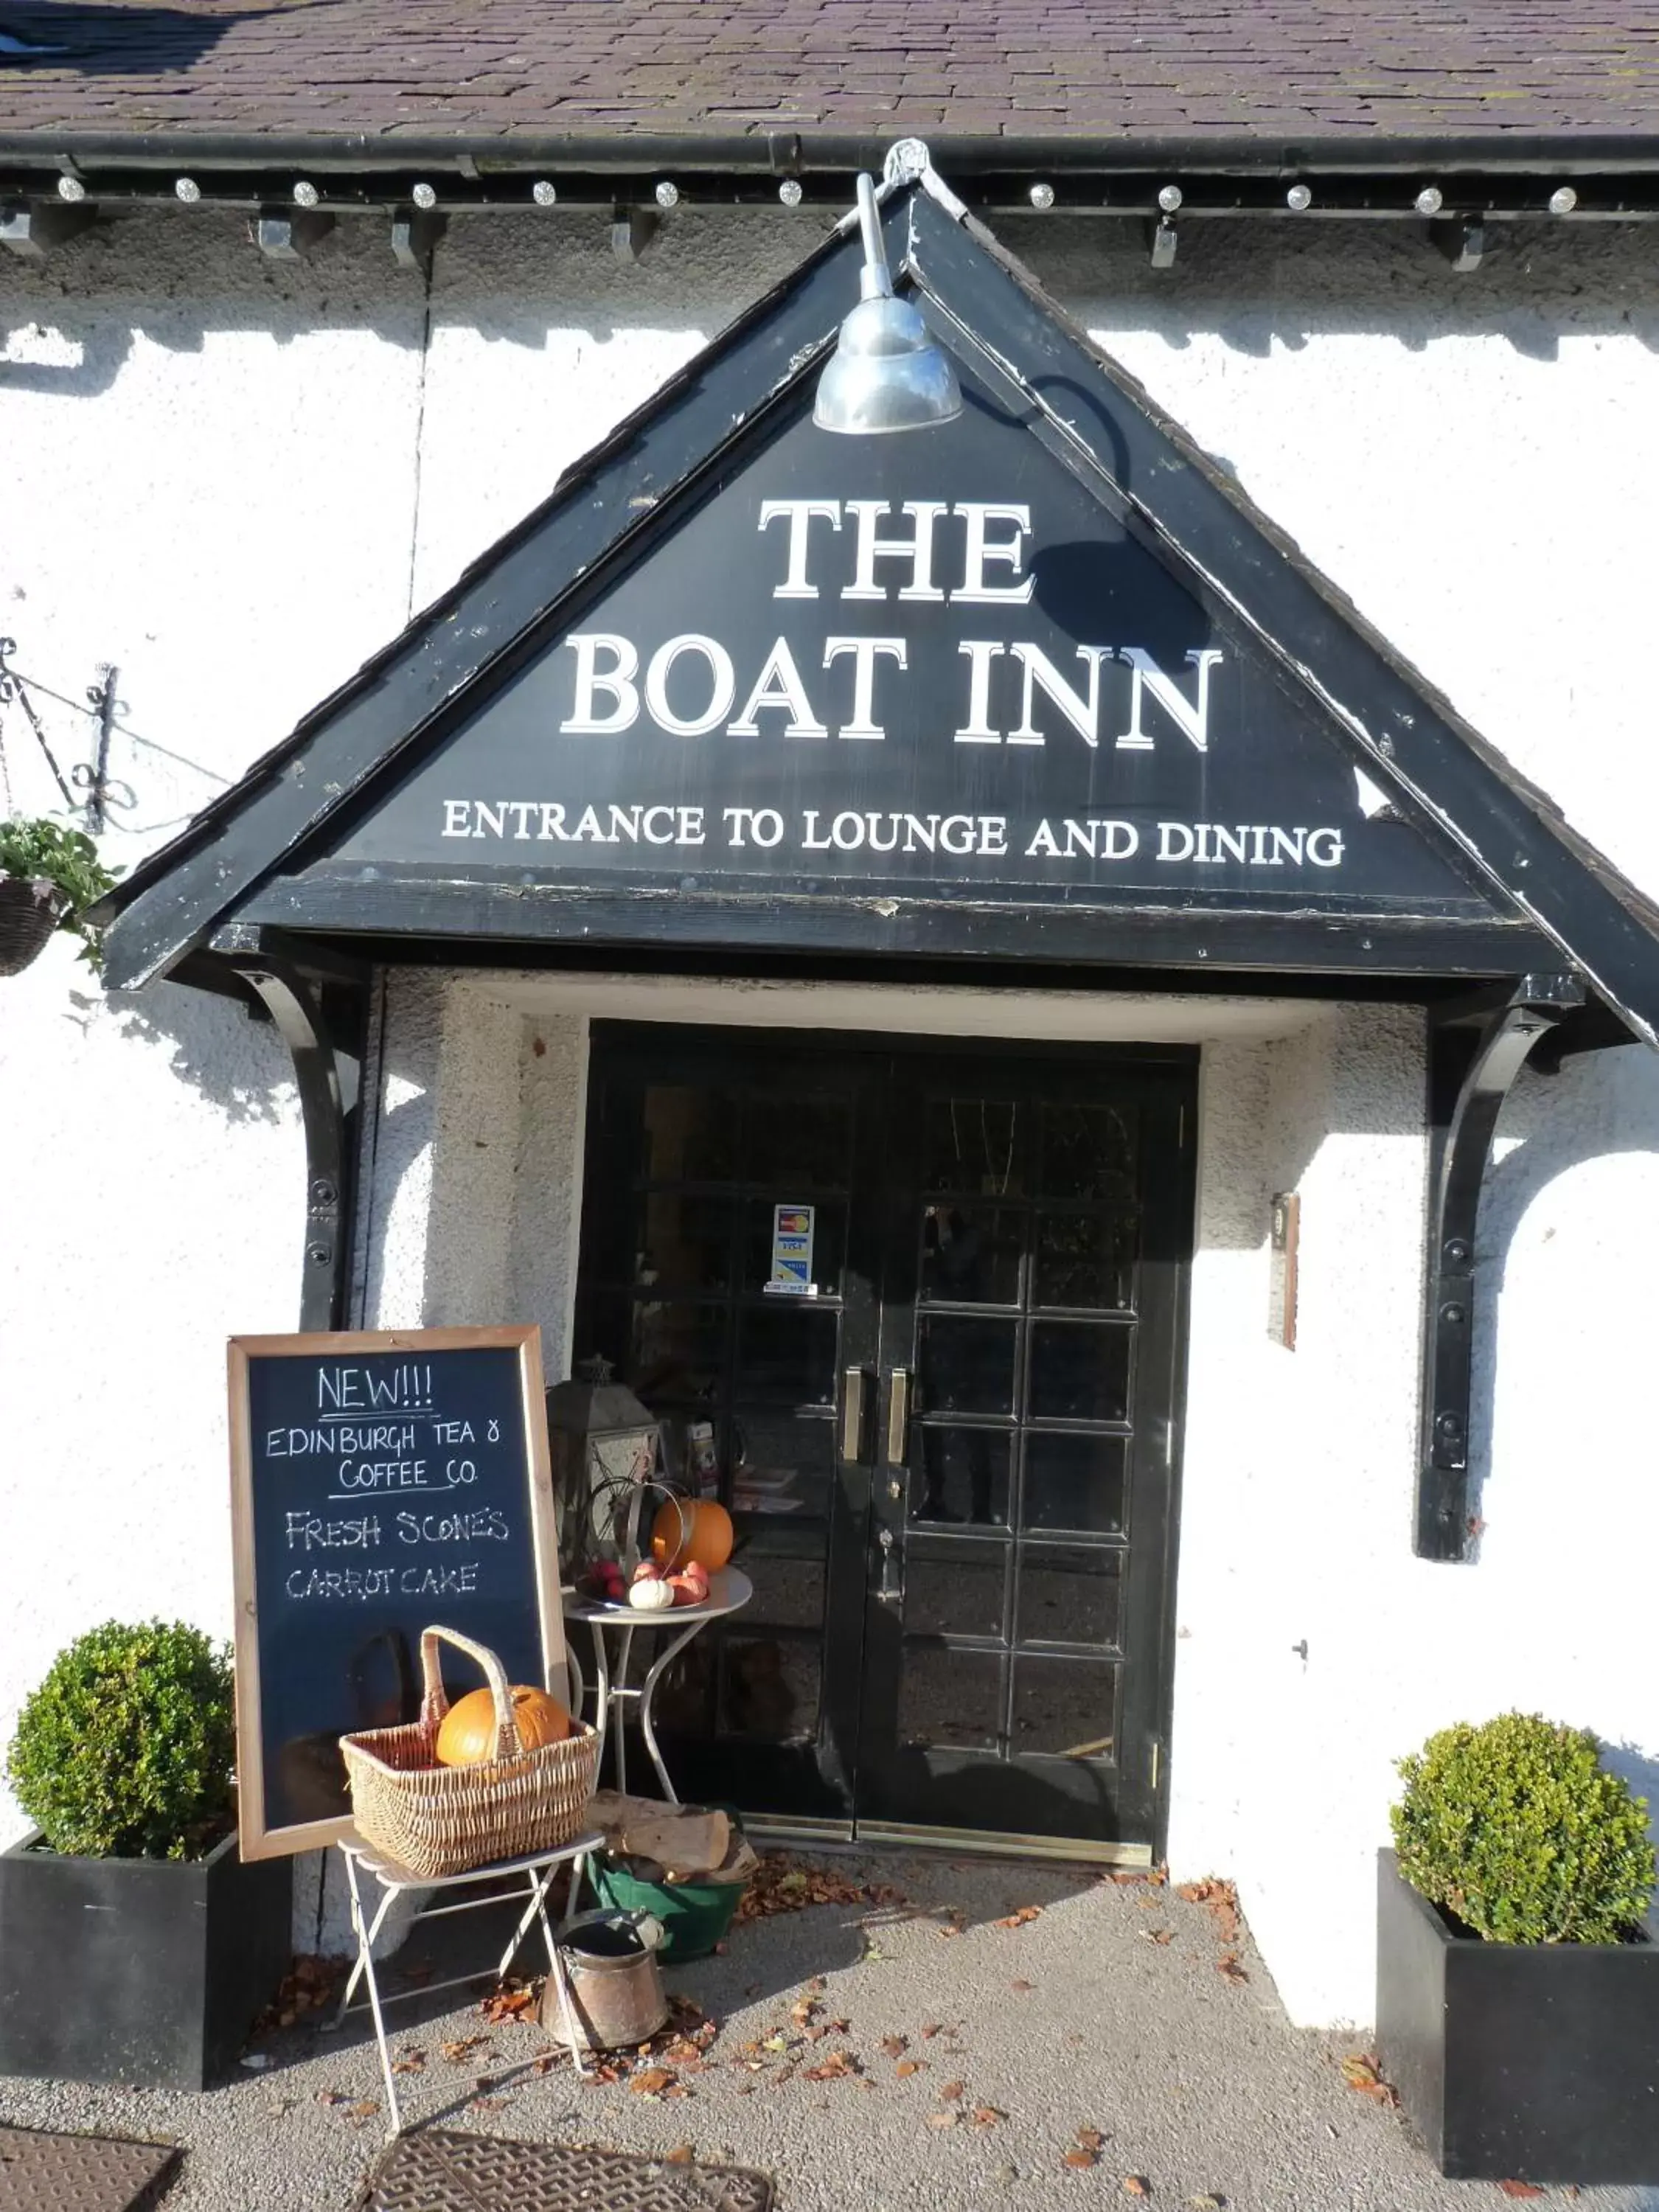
(1209, 942)
(1414, 740)
(177, 894)
(790, 153)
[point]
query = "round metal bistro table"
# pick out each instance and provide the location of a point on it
(728, 1592)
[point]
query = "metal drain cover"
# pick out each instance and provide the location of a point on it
(41, 2173)
(438, 2172)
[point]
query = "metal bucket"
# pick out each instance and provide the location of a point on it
(615, 1992)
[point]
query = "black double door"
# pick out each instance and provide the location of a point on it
(916, 1314)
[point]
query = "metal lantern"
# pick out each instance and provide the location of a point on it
(604, 1445)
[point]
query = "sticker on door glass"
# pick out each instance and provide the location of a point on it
(792, 1252)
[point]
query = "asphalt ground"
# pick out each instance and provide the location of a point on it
(1118, 2043)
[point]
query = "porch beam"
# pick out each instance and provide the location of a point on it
(1476, 1049)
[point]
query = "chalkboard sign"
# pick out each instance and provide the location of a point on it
(380, 1483)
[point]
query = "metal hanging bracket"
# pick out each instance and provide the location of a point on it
(1476, 1049)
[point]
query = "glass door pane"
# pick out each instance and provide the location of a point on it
(1020, 1415)
(733, 1301)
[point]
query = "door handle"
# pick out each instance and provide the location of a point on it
(898, 1416)
(889, 1591)
(852, 1412)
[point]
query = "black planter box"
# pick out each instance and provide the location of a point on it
(1535, 2061)
(147, 1970)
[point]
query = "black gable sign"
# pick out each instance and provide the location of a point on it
(1040, 682)
(941, 665)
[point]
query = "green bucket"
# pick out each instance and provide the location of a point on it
(694, 1915)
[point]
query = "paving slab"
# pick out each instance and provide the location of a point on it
(440, 2170)
(46, 2172)
(986, 2045)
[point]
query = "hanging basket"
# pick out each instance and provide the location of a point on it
(30, 909)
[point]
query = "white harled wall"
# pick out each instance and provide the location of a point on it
(233, 480)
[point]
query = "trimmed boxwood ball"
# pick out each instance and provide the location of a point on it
(127, 1748)
(1517, 1830)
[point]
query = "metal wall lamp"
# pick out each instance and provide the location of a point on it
(886, 374)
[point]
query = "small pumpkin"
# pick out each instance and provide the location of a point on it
(467, 1734)
(688, 1529)
(654, 1595)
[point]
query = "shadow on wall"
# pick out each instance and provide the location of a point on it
(1601, 1104)
(236, 1063)
(1278, 283)
(512, 279)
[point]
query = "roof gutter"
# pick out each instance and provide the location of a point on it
(786, 153)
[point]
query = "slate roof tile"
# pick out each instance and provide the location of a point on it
(1070, 70)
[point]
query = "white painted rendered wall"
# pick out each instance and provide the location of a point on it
(234, 480)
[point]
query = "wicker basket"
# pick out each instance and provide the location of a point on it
(29, 911)
(438, 1820)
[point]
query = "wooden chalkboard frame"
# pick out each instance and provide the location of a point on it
(258, 1840)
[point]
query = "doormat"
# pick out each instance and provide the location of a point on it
(41, 2173)
(438, 2172)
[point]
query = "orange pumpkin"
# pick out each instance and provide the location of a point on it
(467, 1734)
(692, 1528)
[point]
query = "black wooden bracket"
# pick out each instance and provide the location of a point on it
(321, 1015)
(1476, 1049)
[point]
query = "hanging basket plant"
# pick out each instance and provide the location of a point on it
(29, 911)
(49, 877)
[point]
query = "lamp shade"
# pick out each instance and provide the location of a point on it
(887, 372)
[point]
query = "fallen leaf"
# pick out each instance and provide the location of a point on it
(835, 2068)
(652, 2083)
(933, 2027)
(1023, 1988)
(839, 2026)
(1220, 1900)
(509, 2004)
(1078, 2156)
(1089, 2138)
(907, 2067)
(942, 2119)
(952, 2090)
(894, 2047)
(1520, 2188)
(1136, 2184)
(410, 2061)
(1228, 1965)
(817, 1987)
(1019, 1919)
(1158, 1934)
(457, 2052)
(986, 2116)
(1362, 2073)
(801, 2012)
(488, 2105)
(1207, 2203)
(364, 2109)
(681, 2154)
